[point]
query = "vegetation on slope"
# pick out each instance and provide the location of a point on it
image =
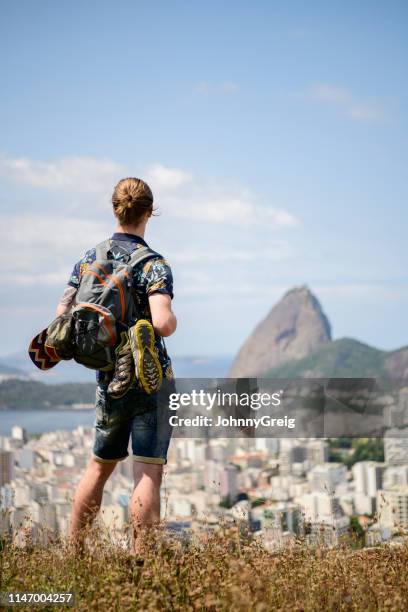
(27, 394)
(343, 358)
(224, 573)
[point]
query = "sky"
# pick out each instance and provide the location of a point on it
(274, 137)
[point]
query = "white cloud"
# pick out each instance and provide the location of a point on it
(186, 197)
(367, 112)
(275, 252)
(381, 291)
(49, 232)
(232, 210)
(67, 174)
(180, 194)
(162, 178)
(331, 93)
(354, 107)
(38, 279)
(245, 234)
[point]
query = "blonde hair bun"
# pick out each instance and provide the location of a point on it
(132, 198)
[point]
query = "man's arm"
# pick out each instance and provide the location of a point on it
(163, 318)
(66, 300)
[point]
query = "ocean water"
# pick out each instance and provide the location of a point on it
(41, 421)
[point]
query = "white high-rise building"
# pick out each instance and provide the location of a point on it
(19, 433)
(396, 446)
(25, 458)
(368, 477)
(326, 476)
(318, 506)
(393, 507)
(396, 475)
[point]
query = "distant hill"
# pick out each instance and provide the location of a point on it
(345, 358)
(30, 394)
(68, 371)
(294, 341)
(294, 328)
(19, 365)
(7, 371)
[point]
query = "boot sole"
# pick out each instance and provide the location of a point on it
(122, 393)
(147, 364)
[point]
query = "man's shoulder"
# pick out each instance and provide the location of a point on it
(120, 248)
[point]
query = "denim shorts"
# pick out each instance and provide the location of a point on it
(141, 418)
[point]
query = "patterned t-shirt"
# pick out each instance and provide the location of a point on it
(149, 277)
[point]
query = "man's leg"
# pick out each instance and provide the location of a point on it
(145, 501)
(88, 497)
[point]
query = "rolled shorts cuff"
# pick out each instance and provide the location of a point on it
(154, 460)
(100, 460)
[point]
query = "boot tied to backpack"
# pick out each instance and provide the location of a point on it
(124, 371)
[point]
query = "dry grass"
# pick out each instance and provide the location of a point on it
(226, 572)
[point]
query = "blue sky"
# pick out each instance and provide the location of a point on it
(274, 136)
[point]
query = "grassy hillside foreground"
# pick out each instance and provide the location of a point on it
(222, 574)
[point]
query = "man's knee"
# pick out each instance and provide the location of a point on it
(100, 471)
(152, 471)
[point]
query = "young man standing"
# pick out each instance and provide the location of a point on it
(132, 413)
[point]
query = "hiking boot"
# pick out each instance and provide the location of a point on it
(147, 365)
(124, 372)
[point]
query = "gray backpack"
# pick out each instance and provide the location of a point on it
(105, 306)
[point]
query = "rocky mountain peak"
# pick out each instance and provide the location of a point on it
(294, 327)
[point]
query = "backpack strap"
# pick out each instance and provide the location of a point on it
(102, 250)
(136, 257)
(141, 254)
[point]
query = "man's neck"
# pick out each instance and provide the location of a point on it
(136, 230)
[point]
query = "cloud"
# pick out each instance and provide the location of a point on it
(343, 98)
(367, 112)
(164, 178)
(220, 237)
(183, 196)
(50, 232)
(180, 194)
(276, 252)
(67, 174)
(235, 210)
(382, 291)
(38, 279)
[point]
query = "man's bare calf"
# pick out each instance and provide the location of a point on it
(145, 501)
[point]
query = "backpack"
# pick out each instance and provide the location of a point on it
(105, 306)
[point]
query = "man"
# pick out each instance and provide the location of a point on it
(135, 414)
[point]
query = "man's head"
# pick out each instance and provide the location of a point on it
(132, 201)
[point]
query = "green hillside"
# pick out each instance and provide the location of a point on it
(24, 394)
(343, 358)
